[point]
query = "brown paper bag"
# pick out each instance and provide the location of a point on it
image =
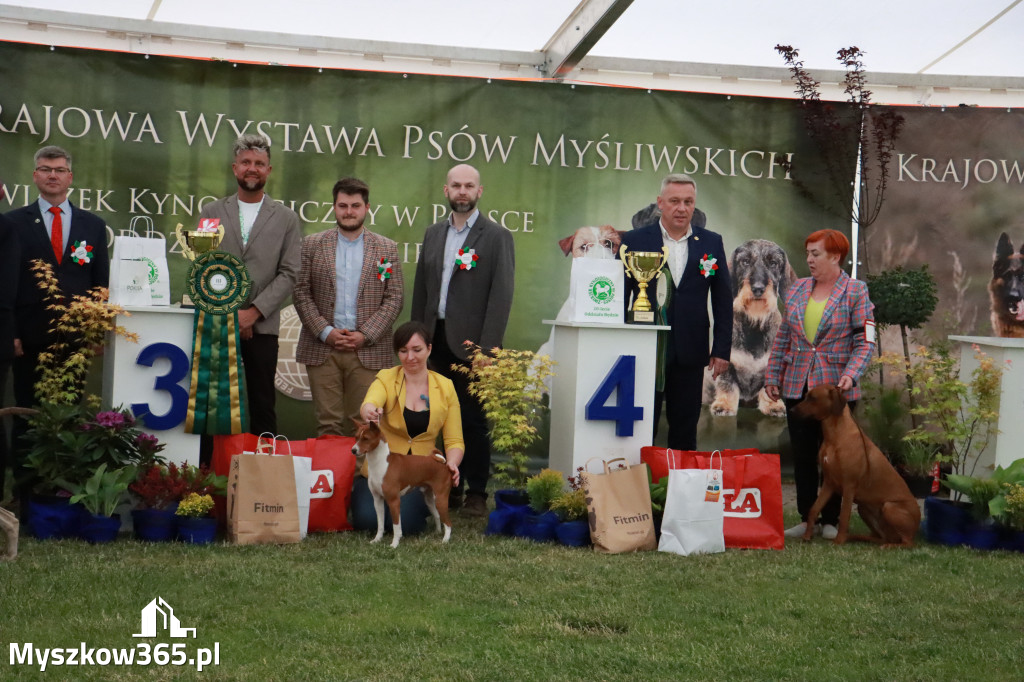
(262, 506)
(619, 506)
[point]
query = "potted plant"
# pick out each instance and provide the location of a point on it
(988, 503)
(68, 441)
(1012, 517)
(542, 489)
(510, 387)
(571, 506)
(99, 496)
(195, 525)
(158, 489)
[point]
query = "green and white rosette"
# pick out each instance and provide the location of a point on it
(218, 284)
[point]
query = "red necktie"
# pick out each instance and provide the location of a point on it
(57, 233)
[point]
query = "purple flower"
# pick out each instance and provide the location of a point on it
(146, 442)
(110, 419)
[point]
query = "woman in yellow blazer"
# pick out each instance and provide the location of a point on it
(412, 404)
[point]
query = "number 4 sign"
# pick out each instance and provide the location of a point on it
(625, 412)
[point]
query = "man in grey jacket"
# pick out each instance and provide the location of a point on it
(463, 291)
(266, 236)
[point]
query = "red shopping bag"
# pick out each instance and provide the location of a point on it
(655, 458)
(334, 467)
(752, 488)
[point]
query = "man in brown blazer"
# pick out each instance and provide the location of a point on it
(266, 236)
(348, 296)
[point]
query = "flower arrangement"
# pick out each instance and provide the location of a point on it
(1013, 510)
(69, 441)
(158, 486)
(510, 387)
(195, 506)
(571, 504)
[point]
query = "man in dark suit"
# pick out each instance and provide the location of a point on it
(463, 291)
(9, 256)
(348, 296)
(51, 229)
(266, 236)
(696, 269)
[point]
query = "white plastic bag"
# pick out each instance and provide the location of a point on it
(694, 510)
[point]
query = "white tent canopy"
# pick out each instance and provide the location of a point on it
(917, 52)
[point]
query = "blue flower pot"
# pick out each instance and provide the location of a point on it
(946, 523)
(511, 507)
(197, 531)
(53, 518)
(97, 529)
(543, 527)
(573, 533)
(511, 499)
(982, 535)
(154, 525)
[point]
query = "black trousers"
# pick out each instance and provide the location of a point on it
(259, 355)
(476, 463)
(805, 437)
(5, 453)
(683, 392)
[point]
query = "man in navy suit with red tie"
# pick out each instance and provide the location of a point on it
(51, 229)
(696, 271)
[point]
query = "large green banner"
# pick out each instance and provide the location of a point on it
(151, 137)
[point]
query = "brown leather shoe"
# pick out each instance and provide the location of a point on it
(476, 505)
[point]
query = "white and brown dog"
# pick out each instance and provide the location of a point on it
(391, 475)
(602, 241)
(761, 275)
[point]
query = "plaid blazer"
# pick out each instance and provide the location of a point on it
(839, 349)
(378, 302)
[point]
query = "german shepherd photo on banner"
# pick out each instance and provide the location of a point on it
(1006, 290)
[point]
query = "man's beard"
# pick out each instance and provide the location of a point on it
(462, 206)
(349, 228)
(251, 184)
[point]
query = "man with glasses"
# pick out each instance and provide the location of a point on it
(74, 244)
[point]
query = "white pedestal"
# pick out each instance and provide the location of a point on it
(1004, 447)
(586, 353)
(151, 378)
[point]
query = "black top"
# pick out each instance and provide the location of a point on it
(416, 422)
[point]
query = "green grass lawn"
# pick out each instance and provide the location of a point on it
(337, 608)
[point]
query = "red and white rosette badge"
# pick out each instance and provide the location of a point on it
(81, 252)
(467, 259)
(708, 265)
(384, 269)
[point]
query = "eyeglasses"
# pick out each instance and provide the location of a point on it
(46, 170)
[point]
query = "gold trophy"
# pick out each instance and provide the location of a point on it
(194, 243)
(644, 267)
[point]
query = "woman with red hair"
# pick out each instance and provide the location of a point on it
(827, 336)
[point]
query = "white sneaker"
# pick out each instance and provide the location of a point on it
(828, 531)
(796, 531)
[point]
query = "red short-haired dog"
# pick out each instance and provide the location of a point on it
(854, 466)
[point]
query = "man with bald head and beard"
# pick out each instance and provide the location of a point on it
(463, 292)
(265, 234)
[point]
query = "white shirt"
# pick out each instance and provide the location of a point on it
(678, 252)
(247, 213)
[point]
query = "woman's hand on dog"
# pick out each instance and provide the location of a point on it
(772, 392)
(370, 412)
(453, 458)
(845, 383)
